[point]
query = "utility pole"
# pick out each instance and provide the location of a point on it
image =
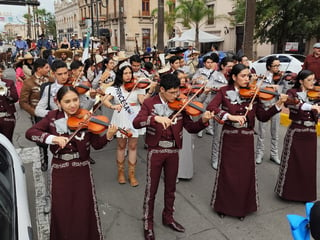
(29, 23)
(121, 25)
(250, 19)
(160, 25)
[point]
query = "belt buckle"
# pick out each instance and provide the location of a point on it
(3, 114)
(308, 123)
(237, 125)
(166, 144)
(67, 157)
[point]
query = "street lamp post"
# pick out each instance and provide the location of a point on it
(91, 16)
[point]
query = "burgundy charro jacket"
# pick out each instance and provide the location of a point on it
(145, 118)
(80, 143)
(7, 101)
(222, 105)
(296, 113)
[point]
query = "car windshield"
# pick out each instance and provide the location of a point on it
(299, 57)
(7, 196)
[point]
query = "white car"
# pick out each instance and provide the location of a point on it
(15, 222)
(289, 62)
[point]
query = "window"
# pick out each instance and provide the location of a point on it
(115, 8)
(211, 14)
(284, 59)
(145, 7)
(146, 33)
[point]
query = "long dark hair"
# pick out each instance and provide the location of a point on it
(303, 74)
(105, 62)
(63, 90)
(119, 75)
(236, 69)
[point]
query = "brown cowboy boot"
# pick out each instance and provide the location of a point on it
(121, 177)
(132, 179)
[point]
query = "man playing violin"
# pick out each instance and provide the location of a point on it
(138, 72)
(272, 65)
(164, 139)
(60, 73)
(202, 75)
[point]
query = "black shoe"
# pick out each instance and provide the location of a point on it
(221, 215)
(92, 161)
(44, 164)
(241, 218)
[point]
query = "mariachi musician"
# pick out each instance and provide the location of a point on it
(72, 187)
(164, 140)
(8, 96)
(235, 193)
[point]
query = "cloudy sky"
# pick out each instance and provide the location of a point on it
(13, 14)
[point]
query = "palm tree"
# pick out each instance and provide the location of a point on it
(160, 24)
(170, 17)
(193, 12)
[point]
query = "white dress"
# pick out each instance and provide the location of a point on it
(129, 111)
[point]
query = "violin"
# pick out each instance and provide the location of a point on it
(277, 76)
(95, 124)
(70, 81)
(287, 76)
(142, 83)
(83, 86)
(187, 88)
(193, 108)
(314, 94)
(266, 93)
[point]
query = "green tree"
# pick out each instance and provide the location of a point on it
(193, 12)
(279, 21)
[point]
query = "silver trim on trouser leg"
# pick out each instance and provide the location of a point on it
(274, 149)
(217, 128)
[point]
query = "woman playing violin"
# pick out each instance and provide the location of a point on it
(297, 180)
(235, 192)
(272, 65)
(126, 105)
(72, 189)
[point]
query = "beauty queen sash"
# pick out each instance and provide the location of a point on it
(125, 105)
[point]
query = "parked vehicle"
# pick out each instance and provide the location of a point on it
(15, 222)
(222, 54)
(289, 62)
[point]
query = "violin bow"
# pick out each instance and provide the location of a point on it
(75, 132)
(187, 102)
(249, 108)
(78, 78)
(80, 126)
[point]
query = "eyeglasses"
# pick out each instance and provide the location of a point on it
(275, 65)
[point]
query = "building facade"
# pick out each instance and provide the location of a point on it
(67, 18)
(103, 19)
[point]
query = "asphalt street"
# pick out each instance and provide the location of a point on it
(120, 206)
